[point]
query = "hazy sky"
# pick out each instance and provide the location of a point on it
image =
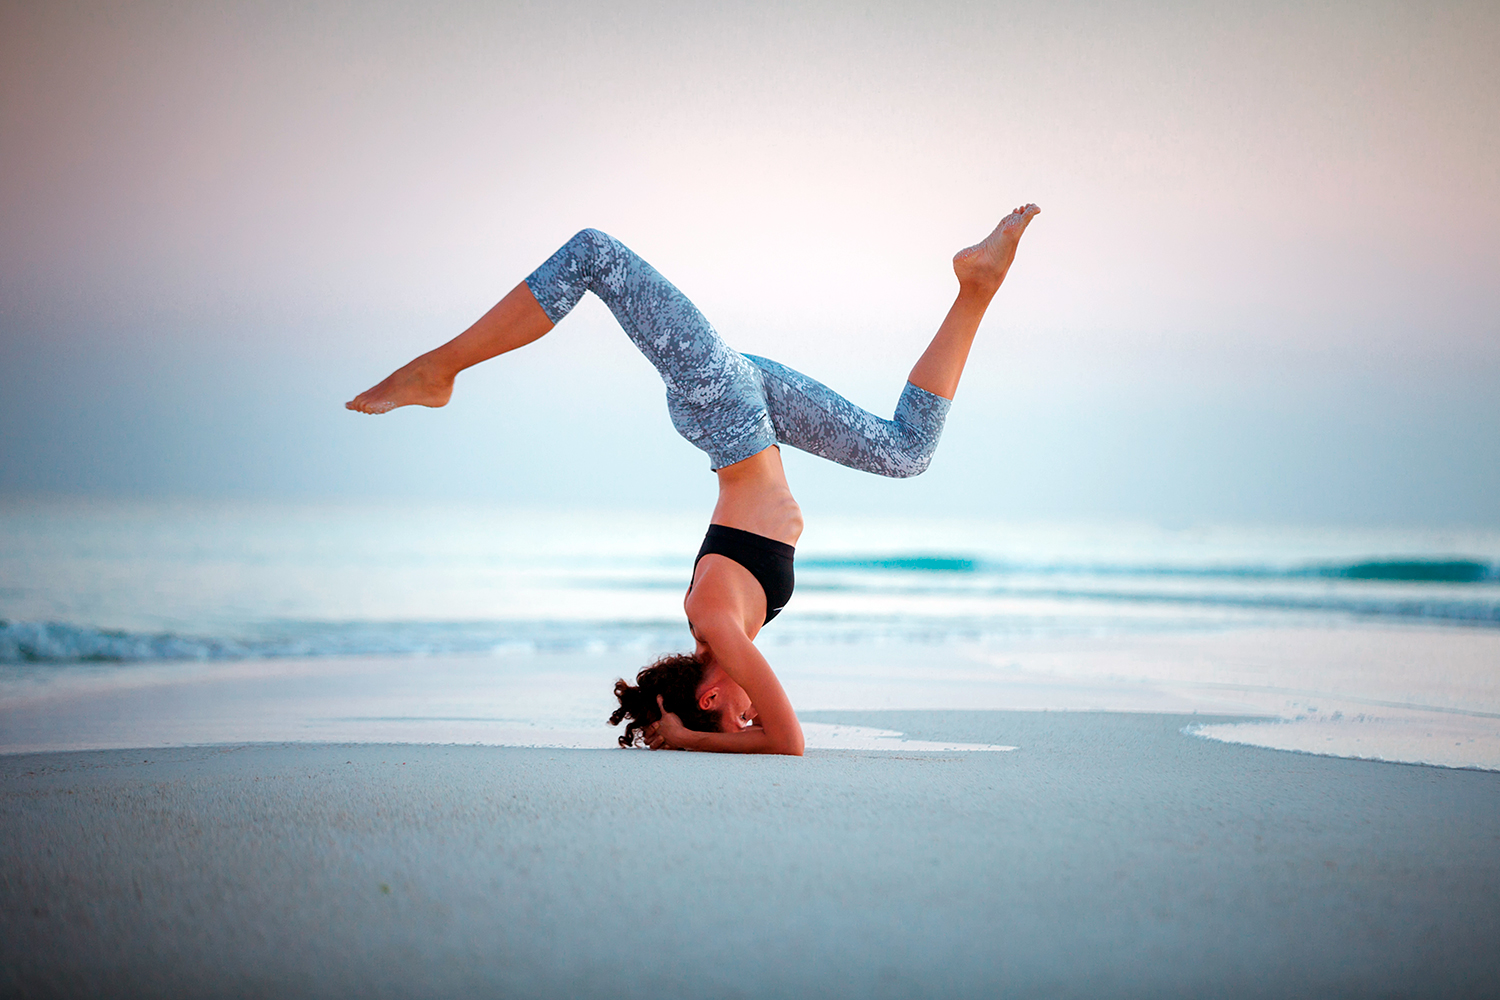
(1263, 286)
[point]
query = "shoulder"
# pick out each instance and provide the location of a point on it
(715, 612)
(718, 574)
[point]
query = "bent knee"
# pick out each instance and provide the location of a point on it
(594, 239)
(911, 464)
(588, 252)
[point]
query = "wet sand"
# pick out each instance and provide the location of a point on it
(1411, 694)
(1111, 855)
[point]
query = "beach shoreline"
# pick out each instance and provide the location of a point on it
(1412, 694)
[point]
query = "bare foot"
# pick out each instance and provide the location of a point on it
(419, 383)
(985, 263)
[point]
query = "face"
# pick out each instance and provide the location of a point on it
(718, 692)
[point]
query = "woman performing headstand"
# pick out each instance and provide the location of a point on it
(724, 697)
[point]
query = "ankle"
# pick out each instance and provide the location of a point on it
(975, 294)
(436, 367)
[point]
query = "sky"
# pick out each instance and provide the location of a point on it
(1262, 287)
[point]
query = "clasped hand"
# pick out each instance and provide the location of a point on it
(666, 733)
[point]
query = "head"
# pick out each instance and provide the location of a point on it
(705, 698)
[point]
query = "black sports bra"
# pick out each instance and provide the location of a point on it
(768, 560)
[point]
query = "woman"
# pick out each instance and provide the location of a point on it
(737, 408)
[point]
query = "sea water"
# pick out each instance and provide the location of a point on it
(98, 588)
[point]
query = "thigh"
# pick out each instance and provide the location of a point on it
(808, 415)
(725, 413)
(713, 393)
(660, 320)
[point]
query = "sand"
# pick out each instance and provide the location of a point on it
(1111, 855)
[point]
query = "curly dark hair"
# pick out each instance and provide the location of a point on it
(676, 678)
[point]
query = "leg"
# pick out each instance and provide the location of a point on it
(980, 269)
(713, 393)
(661, 321)
(647, 305)
(808, 415)
(515, 321)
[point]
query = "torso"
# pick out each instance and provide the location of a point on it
(753, 496)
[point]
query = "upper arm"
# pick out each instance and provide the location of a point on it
(739, 658)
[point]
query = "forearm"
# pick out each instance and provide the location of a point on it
(755, 740)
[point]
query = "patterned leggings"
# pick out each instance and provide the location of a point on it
(733, 405)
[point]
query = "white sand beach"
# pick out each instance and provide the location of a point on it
(1110, 856)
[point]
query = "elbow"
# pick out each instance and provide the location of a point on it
(791, 745)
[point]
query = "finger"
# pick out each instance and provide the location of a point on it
(660, 705)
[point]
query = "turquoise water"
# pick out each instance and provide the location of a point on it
(130, 581)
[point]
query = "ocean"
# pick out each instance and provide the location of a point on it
(120, 581)
(94, 587)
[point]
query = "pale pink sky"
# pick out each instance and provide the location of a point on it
(1299, 207)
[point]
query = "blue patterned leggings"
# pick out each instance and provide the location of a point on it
(733, 405)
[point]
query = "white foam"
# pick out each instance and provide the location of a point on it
(827, 736)
(1418, 695)
(1412, 737)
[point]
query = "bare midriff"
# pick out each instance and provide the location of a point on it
(754, 496)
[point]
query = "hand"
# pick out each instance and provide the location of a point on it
(666, 733)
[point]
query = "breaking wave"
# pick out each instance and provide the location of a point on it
(1389, 570)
